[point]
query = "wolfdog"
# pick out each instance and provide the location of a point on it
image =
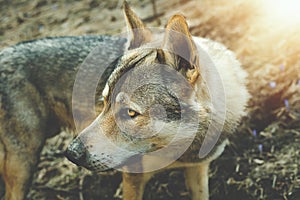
(159, 94)
(171, 101)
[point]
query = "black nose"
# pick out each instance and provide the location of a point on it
(76, 152)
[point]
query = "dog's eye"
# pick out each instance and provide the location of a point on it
(127, 113)
(131, 113)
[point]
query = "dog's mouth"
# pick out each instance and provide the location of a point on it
(78, 154)
(133, 163)
(84, 161)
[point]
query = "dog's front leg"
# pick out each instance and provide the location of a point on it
(196, 179)
(134, 185)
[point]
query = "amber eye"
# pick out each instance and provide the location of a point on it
(132, 113)
(127, 113)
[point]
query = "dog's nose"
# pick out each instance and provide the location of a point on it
(76, 152)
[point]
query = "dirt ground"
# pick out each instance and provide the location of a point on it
(263, 158)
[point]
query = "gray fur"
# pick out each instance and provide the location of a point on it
(36, 83)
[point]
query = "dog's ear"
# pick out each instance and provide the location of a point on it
(178, 41)
(139, 33)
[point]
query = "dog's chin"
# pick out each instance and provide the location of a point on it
(133, 162)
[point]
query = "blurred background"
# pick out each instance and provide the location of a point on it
(262, 161)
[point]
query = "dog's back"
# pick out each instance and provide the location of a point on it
(36, 82)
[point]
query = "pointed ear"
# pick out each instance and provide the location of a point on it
(139, 33)
(179, 42)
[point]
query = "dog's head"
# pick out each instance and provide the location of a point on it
(151, 99)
